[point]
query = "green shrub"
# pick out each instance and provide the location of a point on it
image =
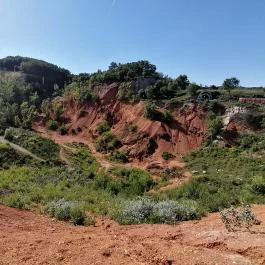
(239, 218)
(103, 127)
(133, 181)
(258, 185)
(66, 211)
(107, 142)
(81, 156)
(145, 210)
(63, 130)
(167, 155)
(119, 157)
(252, 142)
(16, 200)
(52, 125)
(215, 126)
(152, 113)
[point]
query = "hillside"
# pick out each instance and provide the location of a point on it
(130, 145)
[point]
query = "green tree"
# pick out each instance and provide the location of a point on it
(27, 115)
(182, 82)
(230, 83)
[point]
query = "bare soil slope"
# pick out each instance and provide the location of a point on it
(28, 238)
(148, 139)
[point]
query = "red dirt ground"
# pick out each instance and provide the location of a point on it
(31, 239)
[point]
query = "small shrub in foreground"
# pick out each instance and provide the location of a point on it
(238, 218)
(170, 212)
(67, 211)
(144, 210)
(136, 211)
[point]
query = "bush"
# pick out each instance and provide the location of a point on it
(63, 130)
(215, 126)
(152, 113)
(103, 127)
(133, 181)
(9, 156)
(167, 156)
(66, 211)
(135, 212)
(119, 157)
(107, 142)
(52, 125)
(170, 212)
(237, 219)
(258, 185)
(215, 106)
(145, 210)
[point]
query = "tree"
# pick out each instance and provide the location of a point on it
(182, 82)
(230, 83)
(27, 115)
(113, 65)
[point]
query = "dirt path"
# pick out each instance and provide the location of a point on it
(20, 149)
(31, 239)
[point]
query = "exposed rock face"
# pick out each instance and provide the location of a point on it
(141, 138)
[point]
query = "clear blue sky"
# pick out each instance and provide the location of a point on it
(208, 40)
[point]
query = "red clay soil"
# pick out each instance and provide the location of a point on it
(31, 239)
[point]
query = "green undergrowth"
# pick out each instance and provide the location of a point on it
(77, 191)
(226, 176)
(81, 157)
(34, 143)
(9, 157)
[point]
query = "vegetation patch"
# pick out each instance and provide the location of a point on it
(31, 141)
(107, 142)
(9, 156)
(238, 219)
(68, 211)
(103, 127)
(225, 179)
(167, 155)
(152, 113)
(145, 210)
(118, 156)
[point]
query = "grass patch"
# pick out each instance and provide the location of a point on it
(225, 179)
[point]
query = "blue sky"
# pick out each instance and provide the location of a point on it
(208, 40)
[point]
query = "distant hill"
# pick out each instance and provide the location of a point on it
(43, 76)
